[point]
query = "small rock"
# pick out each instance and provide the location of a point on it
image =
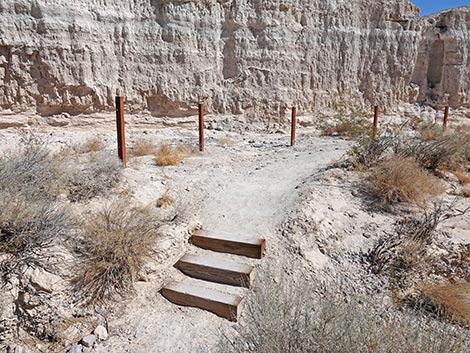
(78, 348)
(101, 332)
(89, 341)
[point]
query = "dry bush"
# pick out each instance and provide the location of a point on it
(94, 175)
(450, 300)
(171, 155)
(463, 177)
(116, 243)
(351, 127)
(227, 141)
(142, 147)
(92, 144)
(287, 318)
(401, 251)
(430, 132)
(397, 179)
(166, 200)
(465, 192)
(31, 218)
(448, 151)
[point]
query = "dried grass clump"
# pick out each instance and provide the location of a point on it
(142, 147)
(398, 179)
(95, 175)
(286, 318)
(166, 200)
(93, 144)
(31, 219)
(351, 127)
(116, 242)
(449, 300)
(227, 141)
(463, 177)
(465, 192)
(171, 155)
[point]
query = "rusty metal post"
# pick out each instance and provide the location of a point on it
(293, 125)
(121, 138)
(201, 127)
(376, 121)
(446, 117)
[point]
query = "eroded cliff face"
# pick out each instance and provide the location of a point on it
(239, 56)
(442, 70)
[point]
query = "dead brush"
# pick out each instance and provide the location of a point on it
(167, 155)
(347, 127)
(165, 200)
(31, 219)
(464, 178)
(450, 300)
(142, 147)
(94, 175)
(448, 151)
(287, 317)
(116, 243)
(92, 144)
(397, 179)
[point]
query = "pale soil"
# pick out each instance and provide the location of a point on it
(313, 216)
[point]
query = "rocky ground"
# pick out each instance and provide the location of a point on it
(302, 199)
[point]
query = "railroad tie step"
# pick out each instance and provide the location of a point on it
(220, 303)
(212, 269)
(253, 247)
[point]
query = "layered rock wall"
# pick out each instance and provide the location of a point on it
(239, 56)
(442, 70)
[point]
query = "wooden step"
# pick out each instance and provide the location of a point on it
(229, 244)
(222, 304)
(212, 269)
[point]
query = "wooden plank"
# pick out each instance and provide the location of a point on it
(222, 304)
(215, 270)
(229, 244)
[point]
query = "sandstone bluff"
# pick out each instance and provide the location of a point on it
(239, 56)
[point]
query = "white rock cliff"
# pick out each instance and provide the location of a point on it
(238, 56)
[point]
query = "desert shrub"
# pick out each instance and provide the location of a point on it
(93, 144)
(369, 151)
(116, 242)
(407, 246)
(448, 151)
(93, 175)
(165, 200)
(397, 179)
(286, 318)
(142, 147)
(464, 178)
(30, 219)
(171, 155)
(351, 127)
(450, 300)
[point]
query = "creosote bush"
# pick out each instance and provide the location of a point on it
(116, 243)
(396, 179)
(287, 318)
(167, 155)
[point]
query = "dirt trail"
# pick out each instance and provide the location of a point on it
(245, 189)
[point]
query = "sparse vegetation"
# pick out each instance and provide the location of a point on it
(93, 144)
(464, 178)
(287, 318)
(166, 200)
(116, 242)
(96, 174)
(450, 300)
(142, 147)
(396, 179)
(31, 219)
(171, 155)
